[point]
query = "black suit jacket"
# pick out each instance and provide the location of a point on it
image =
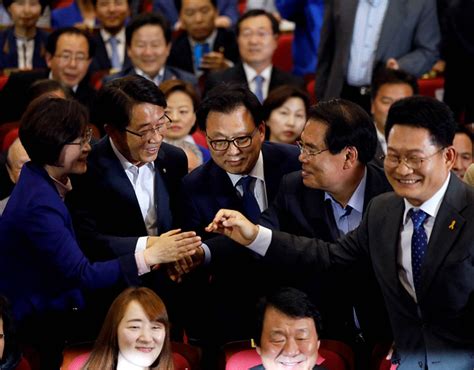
(300, 210)
(227, 304)
(236, 74)
(13, 96)
(105, 210)
(9, 51)
(181, 55)
(101, 59)
(439, 327)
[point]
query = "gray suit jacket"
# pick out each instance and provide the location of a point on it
(440, 327)
(410, 33)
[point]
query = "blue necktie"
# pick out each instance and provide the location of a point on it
(259, 87)
(419, 244)
(115, 60)
(199, 51)
(249, 203)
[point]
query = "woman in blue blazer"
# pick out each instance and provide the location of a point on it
(43, 272)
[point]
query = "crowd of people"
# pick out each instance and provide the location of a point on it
(162, 179)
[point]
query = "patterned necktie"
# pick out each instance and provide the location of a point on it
(249, 203)
(259, 87)
(115, 60)
(419, 244)
(199, 51)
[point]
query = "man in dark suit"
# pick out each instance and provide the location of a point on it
(148, 38)
(127, 199)
(358, 35)
(68, 56)
(244, 172)
(388, 86)
(418, 239)
(326, 200)
(203, 46)
(257, 37)
(287, 331)
(110, 53)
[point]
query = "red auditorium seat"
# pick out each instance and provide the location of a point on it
(428, 86)
(283, 57)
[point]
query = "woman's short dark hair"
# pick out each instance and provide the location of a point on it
(277, 97)
(423, 112)
(170, 86)
(7, 3)
(48, 124)
(348, 125)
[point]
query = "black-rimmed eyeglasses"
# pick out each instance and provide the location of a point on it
(240, 142)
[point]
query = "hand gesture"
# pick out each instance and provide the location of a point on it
(178, 269)
(171, 246)
(214, 60)
(234, 225)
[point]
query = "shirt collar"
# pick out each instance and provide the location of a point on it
(120, 35)
(74, 88)
(356, 200)
(210, 40)
(252, 73)
(431, 206)
(156, 80)
(126, 165)
(63, 189)
(257, 171)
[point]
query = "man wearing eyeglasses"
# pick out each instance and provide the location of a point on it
(127, 199)
(419, 241)
(244, 173)
(68, 56)
(327, 200)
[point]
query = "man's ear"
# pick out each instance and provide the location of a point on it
(259, 351)
(351, 156)
(48, 57)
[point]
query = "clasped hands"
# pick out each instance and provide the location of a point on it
(226, 222)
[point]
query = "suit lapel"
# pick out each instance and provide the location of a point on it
(221, 186)
(115, 176)
(318, 213)
(446, 229)
(270, 171)
(394, 16)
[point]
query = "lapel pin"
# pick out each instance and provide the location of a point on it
(164, 170)
(451, 226)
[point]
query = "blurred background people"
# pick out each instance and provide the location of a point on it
(462, 142)
(80, 14)
(135, 334)
(284, 112)
(23, 45)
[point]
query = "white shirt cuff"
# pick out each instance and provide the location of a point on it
(262, 241)
(142, 267)
(141, 244)
(207, 254)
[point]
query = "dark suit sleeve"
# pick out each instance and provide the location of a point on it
(325, 51)
(308, 254)
(426, 42)
(12, 99)
(271, 216)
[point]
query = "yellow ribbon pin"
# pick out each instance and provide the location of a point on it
(451, 226)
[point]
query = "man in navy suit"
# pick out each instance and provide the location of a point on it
(127, 199)
(148, 38)
(231, 118)
(418, 239)
(110, 53)
(257, 37)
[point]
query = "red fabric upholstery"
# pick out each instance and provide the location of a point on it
(283, 57)
(310, 89)
(5, 130)
(10, 137)
(24, 365)
(429, 86)
(3, 81)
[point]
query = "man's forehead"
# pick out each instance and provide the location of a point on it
(73, 41)
(191, 4)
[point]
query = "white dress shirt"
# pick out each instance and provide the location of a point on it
(120, 37)
(157, 80)
(25, 48)
(251, 73)
(143, 182)
(365, 38)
